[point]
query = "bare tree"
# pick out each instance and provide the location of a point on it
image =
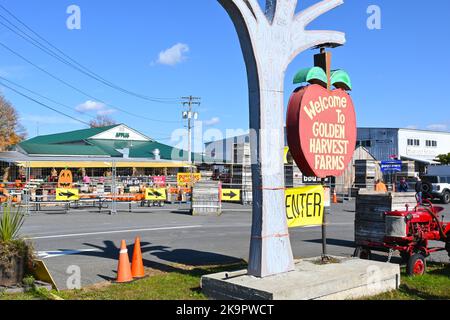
(11, 131)
(102, 121)
(270, 40)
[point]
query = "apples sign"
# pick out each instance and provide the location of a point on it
(321, 130)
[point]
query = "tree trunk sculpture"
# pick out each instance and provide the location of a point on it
(270, 40)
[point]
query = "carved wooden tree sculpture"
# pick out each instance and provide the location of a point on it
(270, 41)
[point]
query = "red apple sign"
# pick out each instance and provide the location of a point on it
(321, 130)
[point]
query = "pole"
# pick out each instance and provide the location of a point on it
(323, 60)
(190, 102)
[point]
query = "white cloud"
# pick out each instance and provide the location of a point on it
(90, 106)
(413, 127)
(438, 127)
(173, 55)
(212, 121)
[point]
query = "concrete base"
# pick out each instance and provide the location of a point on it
(351, 278)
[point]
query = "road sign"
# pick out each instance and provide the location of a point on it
(231, 195)
(67, 194)
(155, 194)
(305, 206)
(391, 166)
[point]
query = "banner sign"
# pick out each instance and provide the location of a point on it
(155, 194)
(391, 166)
(231, 195)
(321, 130)
(188, 179)
(305, 206)
(67, 194)
(159, 181)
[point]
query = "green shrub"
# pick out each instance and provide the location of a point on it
(10, 224)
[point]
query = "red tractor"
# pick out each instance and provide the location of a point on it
(410, 232)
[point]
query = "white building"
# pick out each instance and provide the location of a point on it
(406, 144)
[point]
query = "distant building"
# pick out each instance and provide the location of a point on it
(420, 146)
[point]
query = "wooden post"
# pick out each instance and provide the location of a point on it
(270, 40)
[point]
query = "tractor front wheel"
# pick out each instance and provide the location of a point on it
(417, 265)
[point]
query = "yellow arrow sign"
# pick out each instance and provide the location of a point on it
(305, 206)
(67, 194)
(231, 195)
(157, 194)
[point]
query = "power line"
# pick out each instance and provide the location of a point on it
(79, 90)
(56, 102)
(73, 63)
(43, 104)
(46, 98)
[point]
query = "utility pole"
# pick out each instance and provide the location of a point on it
(189, 115)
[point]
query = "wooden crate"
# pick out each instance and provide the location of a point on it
(370, 208)
(206, 198)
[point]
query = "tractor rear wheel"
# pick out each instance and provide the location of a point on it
(404, 256)
(417, 265)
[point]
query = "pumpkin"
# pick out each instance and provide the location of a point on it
(65, 179)
(15, 200)
(18, 183)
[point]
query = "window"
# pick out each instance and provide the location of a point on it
(413, 142)
(431, 143)
(364, 143)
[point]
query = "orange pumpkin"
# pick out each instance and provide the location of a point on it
(65, 179)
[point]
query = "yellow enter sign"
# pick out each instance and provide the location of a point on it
(155, 194)
(305, 206)
(67, 194)
(231, 195)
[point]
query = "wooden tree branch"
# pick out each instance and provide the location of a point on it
(310, 14)
(285, 11)
(305, 40)
(247, 13)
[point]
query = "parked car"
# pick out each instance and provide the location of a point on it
(436, 183)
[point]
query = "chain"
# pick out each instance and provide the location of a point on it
(391, 252)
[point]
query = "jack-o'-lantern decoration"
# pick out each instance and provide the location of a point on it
(65, 179)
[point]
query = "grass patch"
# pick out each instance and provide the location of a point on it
(434, 285)
(182, 284)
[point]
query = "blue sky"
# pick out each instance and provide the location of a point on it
(400, 73)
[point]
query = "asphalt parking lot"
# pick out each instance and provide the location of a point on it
(90, 240)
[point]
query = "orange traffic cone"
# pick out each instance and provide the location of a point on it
(137, 266)
(124, 268)
(335, 197)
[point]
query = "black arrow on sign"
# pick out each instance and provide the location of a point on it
(67, 194)
(231, 195)
(155, 193)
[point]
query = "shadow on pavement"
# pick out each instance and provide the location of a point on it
(188, 260)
